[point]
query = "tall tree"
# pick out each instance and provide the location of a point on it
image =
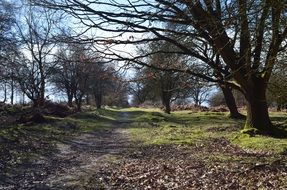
(165, 84)
(8, 49)
(36, 30)
(247, 35)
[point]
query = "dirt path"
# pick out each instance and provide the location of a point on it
(73, 162)
(87, 153)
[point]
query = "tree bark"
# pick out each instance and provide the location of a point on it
(70, 100)
(166, 102)
(42, 93)
(42, 83)
(231, 103)
(98, 99)
(258, 119)
(12, 92)
(279, 107)
(88, 99)
(79, 104)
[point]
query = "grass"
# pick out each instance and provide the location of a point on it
(185, 127)
(152, 126)
(259, 143)
(179, 127)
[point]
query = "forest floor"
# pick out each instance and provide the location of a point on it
(141, 149)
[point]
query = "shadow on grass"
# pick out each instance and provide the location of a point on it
(28, 157)
(278, 131)
(91, 117)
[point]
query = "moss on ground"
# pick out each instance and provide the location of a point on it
(261, 143)
(185, 127)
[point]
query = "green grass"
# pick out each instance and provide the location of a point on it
(185, 127)
(64, 127)
(263, 143)
(152, 126)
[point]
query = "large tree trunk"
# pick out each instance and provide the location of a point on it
(98, 100)
(35, 103)
(230, 102)
(166, 102)
(70, 100)
(79, 104)
(257, 119)
(167, 107)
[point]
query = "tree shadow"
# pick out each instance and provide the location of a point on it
(278, 131)
(91, 117)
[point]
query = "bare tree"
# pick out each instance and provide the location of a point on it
(198, 90)
(247, 35)
(168, 85)
(8, 49)
(79, 73)
(35, 33)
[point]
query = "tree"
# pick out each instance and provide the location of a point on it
(73, 71)
(116, 88)
(8, 50)
(63, 75)
(247, 35)
(139, 90)
(101, 83)
(35, 34)
(277, 89)
(80, 73)
(217, 98)
(198, 90)
(164, 84)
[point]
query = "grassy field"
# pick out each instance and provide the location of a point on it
(185, 127)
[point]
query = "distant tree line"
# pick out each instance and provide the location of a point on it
(36, 55)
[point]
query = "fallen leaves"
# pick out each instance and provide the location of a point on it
(181, 167)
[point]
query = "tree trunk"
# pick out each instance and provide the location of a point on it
(167, 107)
(12, 92)
(70, 100)
(5, 93)
(42, 94)
(257, 120)
(79, 104)
(230, 102)
(35, 103)
(98, 99)
(42, 82)
(23, 98)
(166, 102)
(88, 99)
(279, 107)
